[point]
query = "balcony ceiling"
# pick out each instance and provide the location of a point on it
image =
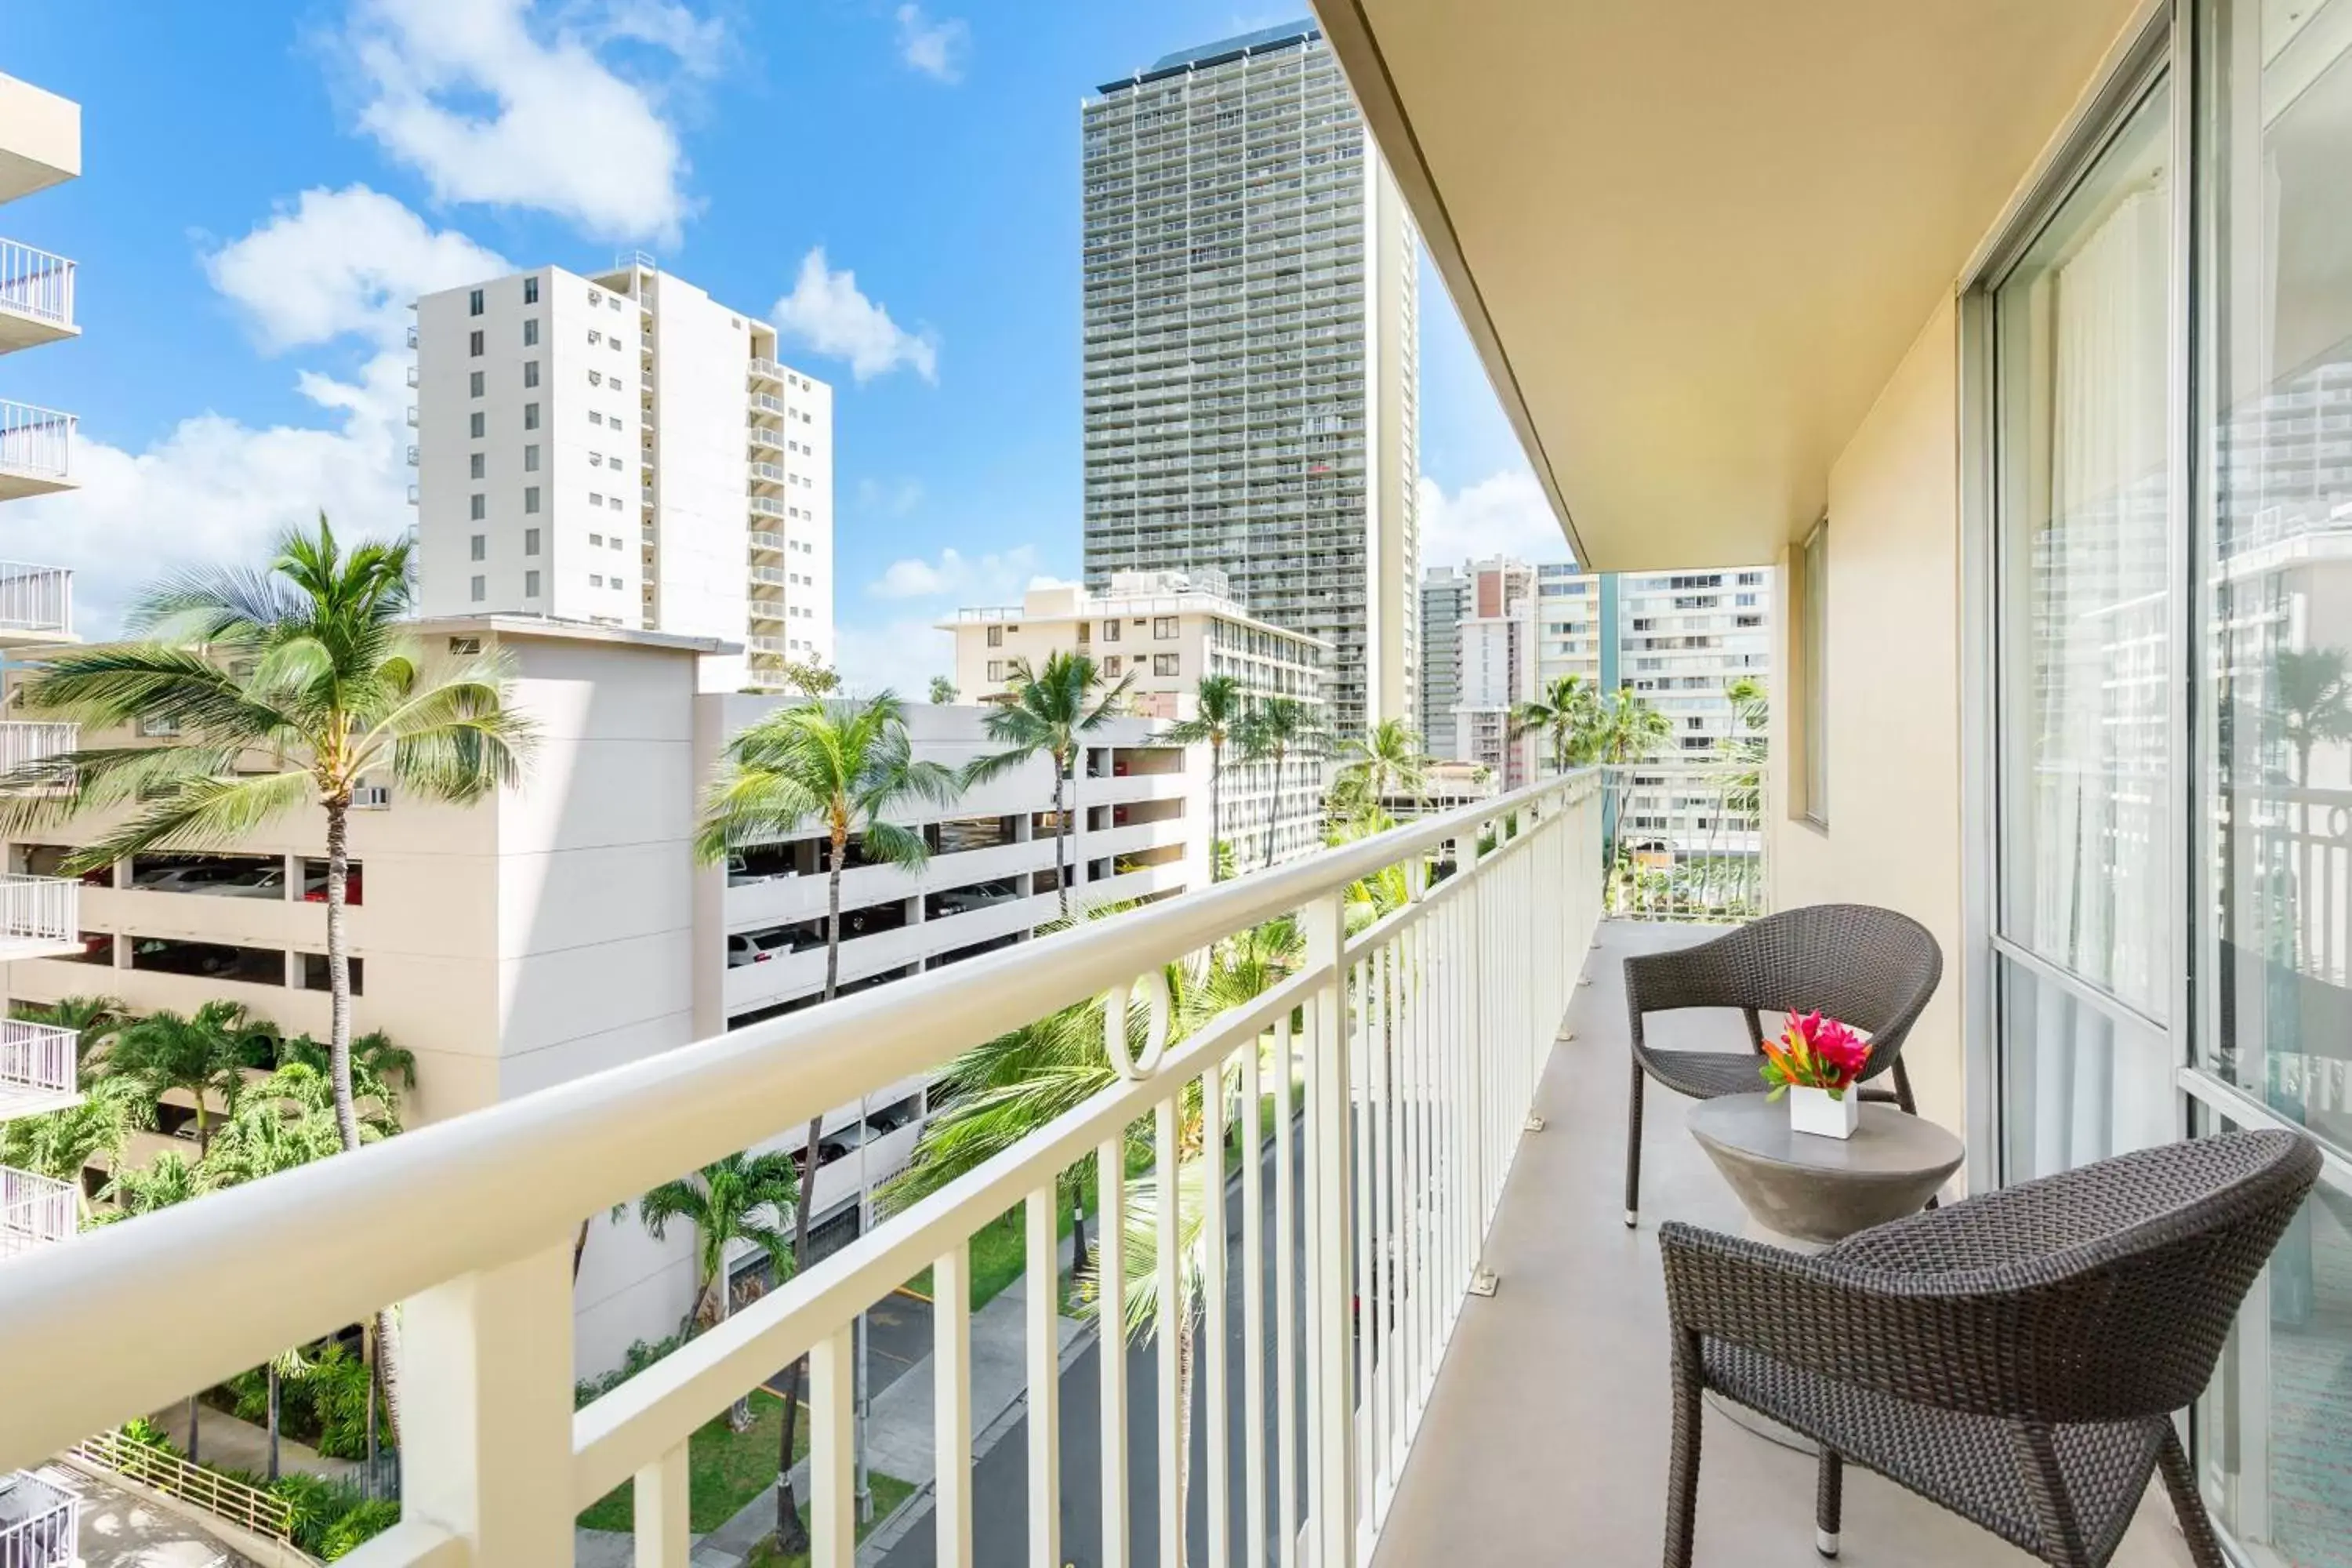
(1692, 239)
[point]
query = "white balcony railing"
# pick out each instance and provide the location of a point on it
(36, 444)
(759, 644)
(1685, 838)
(36, 284)
(26, 741)
(766, 368)
(38, 915)
(35, 1211)
(774, 577)
(38, 1523)
(767, 506)
(35, 598)
(1399, 1061)
(768, 473)
(37, 1068)
(760, 435)
(772, 542)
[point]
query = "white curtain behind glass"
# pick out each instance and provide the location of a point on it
(2101, 659)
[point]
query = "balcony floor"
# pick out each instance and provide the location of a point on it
(1546, 1438)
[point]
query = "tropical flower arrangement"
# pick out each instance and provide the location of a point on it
(1819, 1058)
(1814, 1052)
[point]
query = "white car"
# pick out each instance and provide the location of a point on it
(742, 950)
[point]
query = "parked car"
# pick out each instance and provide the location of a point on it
(742, 948)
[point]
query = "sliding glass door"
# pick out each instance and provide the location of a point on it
(2168, 481)
(2273, 573)
(2080, 330)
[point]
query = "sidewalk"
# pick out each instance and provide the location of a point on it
(898, 1437)
(224, 1442)
(117, 1531)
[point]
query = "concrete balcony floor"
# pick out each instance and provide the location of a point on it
(1546, 1438)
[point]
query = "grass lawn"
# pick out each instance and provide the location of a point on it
(889, 1491)
(728, 1470)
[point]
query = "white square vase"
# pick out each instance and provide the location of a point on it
(1816, 1111)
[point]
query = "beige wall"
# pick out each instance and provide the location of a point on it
(1894, 690)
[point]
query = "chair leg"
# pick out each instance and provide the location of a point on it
(2188, 1506)
(1634, 1149)
(1829, 1502)
(2054, 1508)
(1681, 1469)
(1908, 1106)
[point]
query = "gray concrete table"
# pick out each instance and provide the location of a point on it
(1805, 1192)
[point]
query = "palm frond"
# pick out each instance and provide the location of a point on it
(199, 812)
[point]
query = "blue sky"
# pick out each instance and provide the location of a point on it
(266, 185)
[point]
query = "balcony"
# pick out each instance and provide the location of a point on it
(767, 473)
(36, 450)
(772, 577)
(766, 506)
(35, 1211)
(767, 543)
(768, 611)
(38, 1523)
(38, 1071)
(35, 602)
(1398, 1060)
(764, 438)
(36, 296)
(766, 370)
(23, 742)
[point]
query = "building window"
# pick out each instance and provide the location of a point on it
(1110, 664)
(531, 372)
(1163, 628)
(479, 590)
(479, 506)
(314, 972)
(1813, 655)
(597, 540)
(474, 342)
(531, 415)
(474, 303)
(995, 670)
(531, 333)
(477, 425)
(531, 458)
(531, 584)
(1110, 631)
(473, 384)
(594, 337)
(530, 290)
(531, 498)
(595, 579)
(474, 465)
(480, 547)
(1164, 664)
(530, 542)
(996, 637)
(1086, 632)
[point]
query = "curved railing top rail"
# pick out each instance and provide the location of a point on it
(296, 1253)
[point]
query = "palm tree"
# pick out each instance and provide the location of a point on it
(377, 1064)
(1748, 746)
(1386, 761)
(202, 1054)
(943, 691)
(1219, 707)
(2311, 701)
(60, 1143)
(1275, 728)
(1052, 712)
(306, 667)
(843, 764)
(1568, 712)
(1631, 730)
(723, 1202)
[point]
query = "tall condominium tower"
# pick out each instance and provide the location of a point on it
(1250, 353)
(1480, 662)
(1442, 590)
(626, 451)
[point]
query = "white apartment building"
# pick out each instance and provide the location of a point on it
(565, 927)
(40, 146)
(1163, 631)
(1251, 340)
(1489, 610)
(625, 450)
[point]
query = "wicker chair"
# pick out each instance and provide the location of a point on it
(2016, 1358)
(1868, 967)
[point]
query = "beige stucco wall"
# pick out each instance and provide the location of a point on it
(1894, 690)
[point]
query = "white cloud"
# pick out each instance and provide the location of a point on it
(1503, 514)
(218, 491)
(901, 656)
(993, 578)
(494, 103)
(938, 49)
(827, 311)
(343, 261)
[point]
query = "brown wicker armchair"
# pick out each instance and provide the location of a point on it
(1869, 967)
(2016, 1358)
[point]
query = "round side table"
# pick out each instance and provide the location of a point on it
(1805, 1193)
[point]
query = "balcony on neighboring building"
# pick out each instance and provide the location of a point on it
(36, 296)
(35, 604)
(26, 741)
(35, 1211)
(38, 1066)
(36, 450)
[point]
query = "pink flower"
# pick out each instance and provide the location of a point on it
(1817, 1051)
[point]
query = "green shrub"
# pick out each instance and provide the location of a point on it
(368, 1519)
(335, 1390)
(641, 1355)
(141, 1430)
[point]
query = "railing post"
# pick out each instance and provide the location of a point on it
(1331, 1415)
(485, 1410)
(1477, 1116)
